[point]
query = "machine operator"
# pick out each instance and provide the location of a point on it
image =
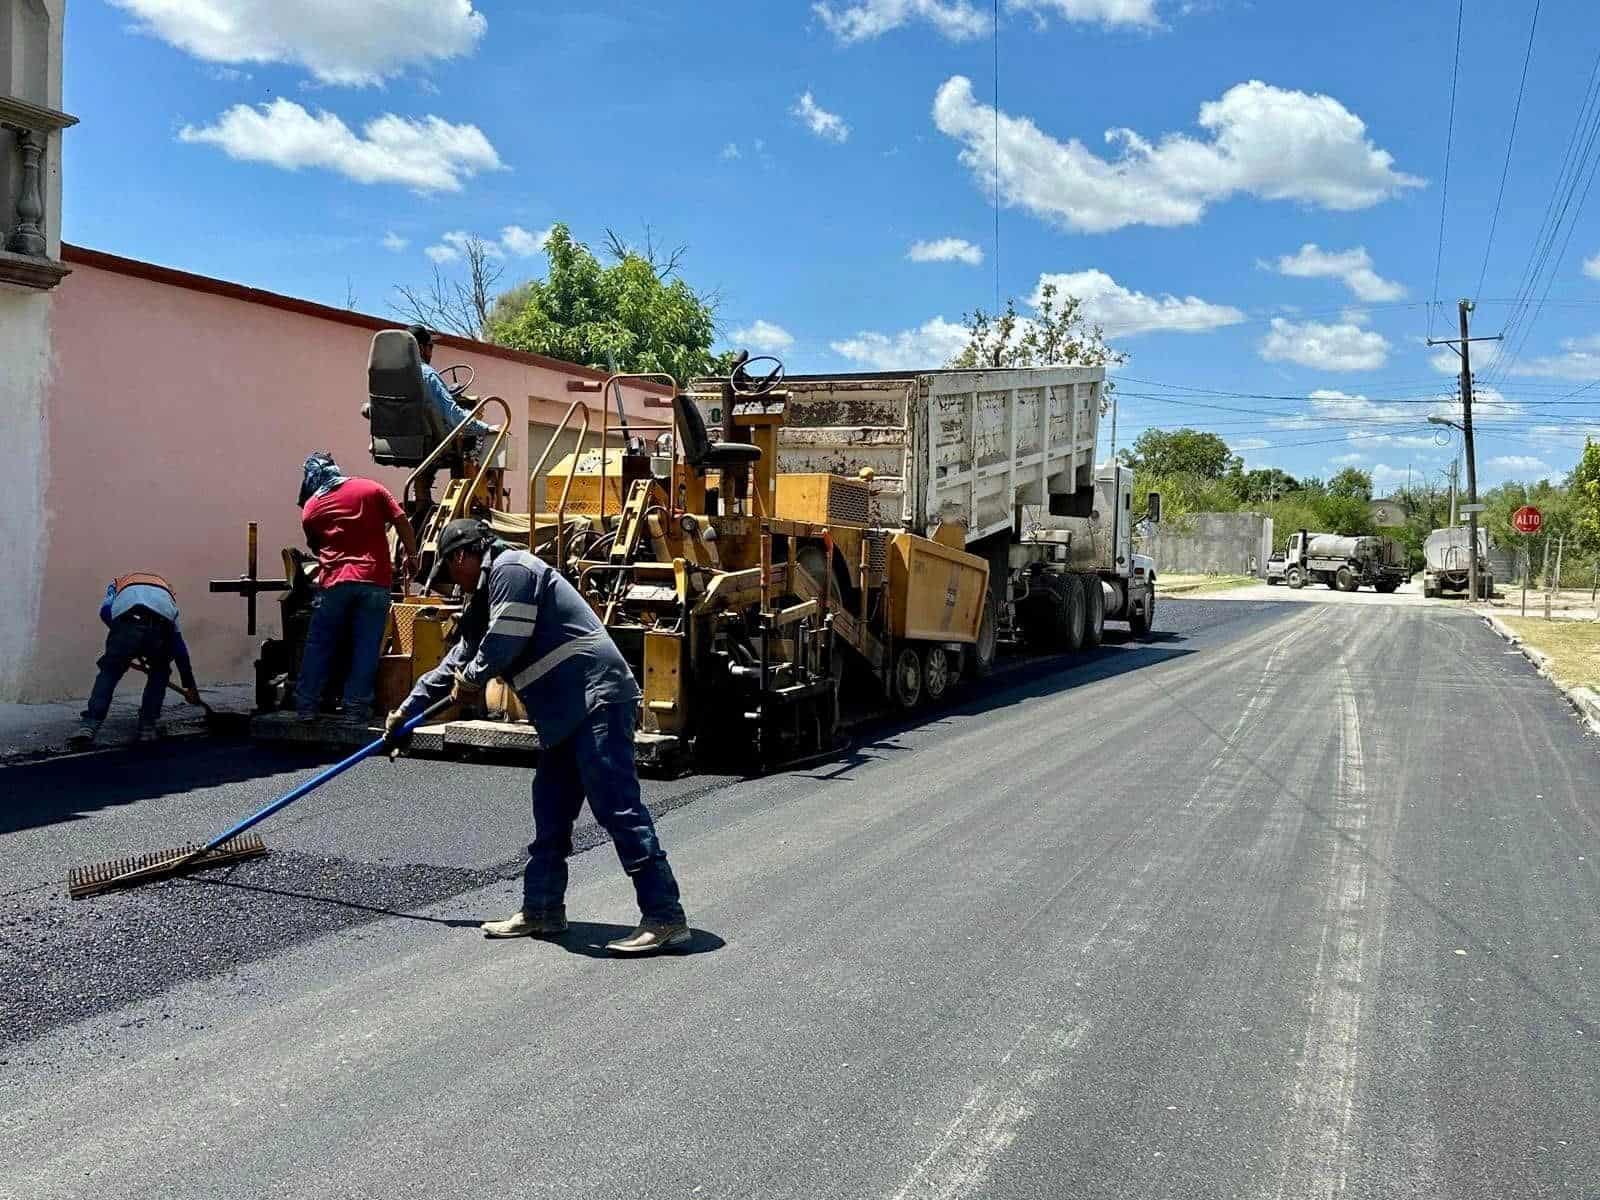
(451, 413)
(527, 625)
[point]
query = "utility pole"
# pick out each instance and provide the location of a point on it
(1463, 347)
(1455, 470)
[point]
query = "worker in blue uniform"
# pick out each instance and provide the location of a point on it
(527, 625)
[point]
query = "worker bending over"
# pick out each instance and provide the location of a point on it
(346, 522)
(141, 611)
(527, 625)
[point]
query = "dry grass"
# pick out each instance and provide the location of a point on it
(1573, 647)
(1171, 585)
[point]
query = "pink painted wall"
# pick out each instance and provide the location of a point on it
(176, 415)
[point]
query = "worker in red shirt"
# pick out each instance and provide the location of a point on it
(347, 522)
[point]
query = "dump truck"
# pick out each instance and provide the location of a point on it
(1446, 567)
(1344, 563)
(1001, 464)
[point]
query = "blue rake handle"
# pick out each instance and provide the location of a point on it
(312, 784)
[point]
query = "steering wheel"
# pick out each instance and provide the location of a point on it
(746, 385)
(451, 376)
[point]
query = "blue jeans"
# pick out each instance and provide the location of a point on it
(596, 763)
(135, 634)
(353, 614)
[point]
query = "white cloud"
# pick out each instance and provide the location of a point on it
(1099, 12)
(393, 242)
(948, 249)
(1344, 347)
(1354, 267)
(730, 152)
(339, 43)
(1519, 464)
(826, 125)
(961, 20)
(1264, 141)
(763, 335)
(932, 344)
(427, 155)
(1244, 445)
(1591, 267)
(1560, 437)
(1579, 360)
(1445, 362)
(1348, 460)
(518, 241)
(1126, 313)
(1386, 478)
(860, 20)
(442, 253)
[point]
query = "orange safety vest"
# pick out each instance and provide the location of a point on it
(146, 578)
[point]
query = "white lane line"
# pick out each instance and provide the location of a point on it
(1318, 1150)
(958, 1164)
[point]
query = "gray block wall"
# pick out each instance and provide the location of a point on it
(1211, 544)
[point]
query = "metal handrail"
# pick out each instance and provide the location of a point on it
(438, 451)
(566, 490)
(605, 423)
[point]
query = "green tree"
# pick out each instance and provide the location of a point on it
(1583, 489)
(1264, 483)
(1351, 482)
(1159, 452)
(586, 312)
(1056, 335)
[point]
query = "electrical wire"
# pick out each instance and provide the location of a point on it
(1449, 137)
(1516, 111)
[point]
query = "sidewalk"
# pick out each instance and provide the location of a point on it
(34, 731)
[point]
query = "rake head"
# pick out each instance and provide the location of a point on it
(130, 872)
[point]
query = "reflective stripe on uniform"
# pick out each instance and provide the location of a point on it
(514, 608)
(541, 667)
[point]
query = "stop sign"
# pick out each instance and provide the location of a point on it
(1527, 519)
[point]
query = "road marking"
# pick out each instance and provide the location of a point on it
(1318, 1149)
(989, 1121)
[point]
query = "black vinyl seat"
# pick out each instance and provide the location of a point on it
(699, 451)
(405, 428)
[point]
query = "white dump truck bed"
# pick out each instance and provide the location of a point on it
(947, 447)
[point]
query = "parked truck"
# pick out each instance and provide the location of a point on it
(1344, 563)
(1446, 567)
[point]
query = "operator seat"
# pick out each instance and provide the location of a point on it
(700, 453)
(404, 426)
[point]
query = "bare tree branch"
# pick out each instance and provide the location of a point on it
(452, 305)
(663, 262)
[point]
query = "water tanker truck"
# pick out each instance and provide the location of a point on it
(1345, 563)
(1447, 568)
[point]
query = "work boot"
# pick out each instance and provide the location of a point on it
(85, 734)
(652, 936)
(150, 731)
(547, 924)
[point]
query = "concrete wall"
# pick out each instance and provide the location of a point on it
(179, 410)
(1212, 543)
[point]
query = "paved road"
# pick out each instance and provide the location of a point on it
(1298, 901)
(1408, 595)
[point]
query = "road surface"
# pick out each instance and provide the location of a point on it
(1295, 901)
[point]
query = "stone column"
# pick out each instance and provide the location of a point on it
(28, 236)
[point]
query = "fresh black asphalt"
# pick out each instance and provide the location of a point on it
(1290, 901)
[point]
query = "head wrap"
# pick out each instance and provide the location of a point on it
(321, 476)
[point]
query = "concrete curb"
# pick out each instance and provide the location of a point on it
(1182, 588)
(1583, 699)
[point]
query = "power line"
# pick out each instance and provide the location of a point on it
(1516, 111)
(1449, 136)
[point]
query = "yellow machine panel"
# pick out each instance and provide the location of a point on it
(936, 592)
(664, 700)
(823, 499)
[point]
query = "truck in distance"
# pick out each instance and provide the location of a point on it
(1446, 567)
(1344, 563)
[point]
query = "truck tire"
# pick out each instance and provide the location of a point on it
(1345, 580)
(1070, 588)
(1386, 588)
(1140, 622)
(1094, 610)
(905, 679)
(939, 673)
(980, 655)
(1295, 578)
(1042, 615)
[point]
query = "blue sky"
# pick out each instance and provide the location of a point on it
(1248, 196)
